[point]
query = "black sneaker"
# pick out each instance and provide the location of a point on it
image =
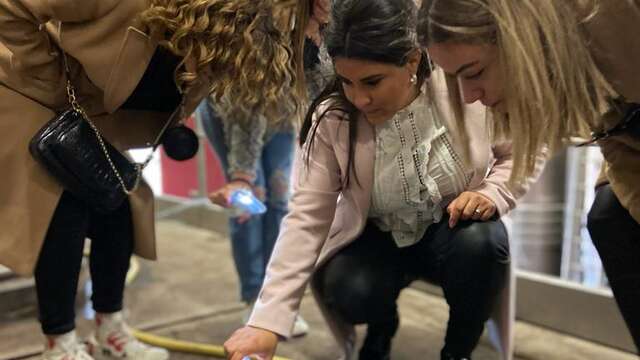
(446, 356)
(377, 344)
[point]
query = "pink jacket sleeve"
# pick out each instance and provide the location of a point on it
(317, 184)
(496, 184)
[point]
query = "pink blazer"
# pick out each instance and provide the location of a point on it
(324, 217)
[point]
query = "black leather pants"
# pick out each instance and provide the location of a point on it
(363, 281)
(59, 262)
(616, 236)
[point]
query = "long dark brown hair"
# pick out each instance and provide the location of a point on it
(381, 31)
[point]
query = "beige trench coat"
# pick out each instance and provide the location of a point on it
(614, 38)
(108, 54)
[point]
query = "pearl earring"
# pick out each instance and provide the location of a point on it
(414, 79)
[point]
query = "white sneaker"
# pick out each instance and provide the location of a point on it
(113, 339)
(300, 327)
(65, 347)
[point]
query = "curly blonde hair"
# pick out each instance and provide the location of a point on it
(240, 45)
(553, 82)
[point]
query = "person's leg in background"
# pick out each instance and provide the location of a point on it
(246, 237)
(277, 160)
(361, 283)
(56, 278)
(471, 264)
(247, 245)
(616, 236)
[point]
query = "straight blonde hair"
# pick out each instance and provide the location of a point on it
(553, 88)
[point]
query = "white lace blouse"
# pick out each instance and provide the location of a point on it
(417, 172)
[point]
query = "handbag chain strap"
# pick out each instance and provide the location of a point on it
(71, 96)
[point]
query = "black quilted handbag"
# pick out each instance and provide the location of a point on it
(73, 151)
(85, 165)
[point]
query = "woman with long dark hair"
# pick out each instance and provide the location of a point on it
(384, 194)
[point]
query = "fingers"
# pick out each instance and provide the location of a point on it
(321, 11)
(470, 209)
(232, 349)
(488, 213)
(254, 342)
(239, 356)
(486, 207)
(455, 210)
(470, 206)
(219, 197)
(229, 348)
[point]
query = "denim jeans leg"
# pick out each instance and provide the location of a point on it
(246, 238)
(277, 159)
(247, 243)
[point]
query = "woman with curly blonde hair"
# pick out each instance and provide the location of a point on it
(244, 45)
(132, 63)
(554, 71)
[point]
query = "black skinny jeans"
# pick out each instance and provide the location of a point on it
(59, 262)
(616, 236)
(362, 282)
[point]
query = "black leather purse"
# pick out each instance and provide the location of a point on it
(74, 152)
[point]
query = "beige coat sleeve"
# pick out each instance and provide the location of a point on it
(622, 169)
(22, 32)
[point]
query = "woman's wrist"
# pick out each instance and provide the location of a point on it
(242, 177)
(247, 182)
(278, 337)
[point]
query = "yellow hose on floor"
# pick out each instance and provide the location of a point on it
(178, 345)
(184, 346)
(173, 344)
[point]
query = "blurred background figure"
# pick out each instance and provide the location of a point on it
(384, 195)
(256, 153)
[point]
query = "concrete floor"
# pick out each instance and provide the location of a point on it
(191, 294)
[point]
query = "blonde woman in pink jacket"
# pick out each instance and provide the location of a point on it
(384, 194)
